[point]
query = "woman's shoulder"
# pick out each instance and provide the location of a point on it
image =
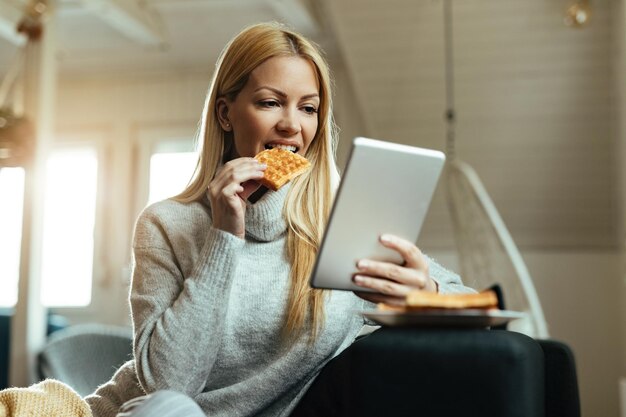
(171, 209)
(167, 219)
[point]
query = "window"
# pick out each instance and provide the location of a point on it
(11, 203)
(92, 192)
(170, 172)
(68, 227)
(166, 160)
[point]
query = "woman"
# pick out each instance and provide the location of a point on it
(221, 305)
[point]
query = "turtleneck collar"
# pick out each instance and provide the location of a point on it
(264, 219)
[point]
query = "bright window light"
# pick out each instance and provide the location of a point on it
(170, 172)
(11, 202)
(68, 228)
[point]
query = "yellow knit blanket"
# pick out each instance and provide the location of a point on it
(48, 398)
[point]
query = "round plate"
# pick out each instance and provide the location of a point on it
(473, 318)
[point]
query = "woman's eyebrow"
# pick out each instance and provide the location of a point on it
(313, 95)
(283, 94)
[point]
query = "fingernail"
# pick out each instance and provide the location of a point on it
(358, 279)
(363, 263)
(385, 238)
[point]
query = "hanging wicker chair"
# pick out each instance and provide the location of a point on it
(487, 254)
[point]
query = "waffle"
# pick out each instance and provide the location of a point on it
(282, 167)
(420, 300)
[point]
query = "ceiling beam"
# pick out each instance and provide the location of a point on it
(10, 16)
(292, 12)
(131, 18)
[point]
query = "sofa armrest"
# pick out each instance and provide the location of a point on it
(562, 396)
(424, 372)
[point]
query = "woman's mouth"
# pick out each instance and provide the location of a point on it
(289, 148)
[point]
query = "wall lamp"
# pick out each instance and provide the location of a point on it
(578, 14)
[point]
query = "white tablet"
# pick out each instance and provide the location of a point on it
(386, 188)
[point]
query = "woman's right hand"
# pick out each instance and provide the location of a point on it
(233, 184)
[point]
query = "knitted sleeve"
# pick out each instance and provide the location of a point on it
(448, 281)
(178, 312)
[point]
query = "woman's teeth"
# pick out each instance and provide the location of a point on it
(285, 147)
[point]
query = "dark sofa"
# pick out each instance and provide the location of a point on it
(423, 372)
(447, 373)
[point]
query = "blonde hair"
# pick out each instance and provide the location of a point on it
(309, 199)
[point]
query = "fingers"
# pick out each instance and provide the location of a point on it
(370, 273)
(233, 183)
(229, 178)
(413, 257)
(382, 286)
(391, 280)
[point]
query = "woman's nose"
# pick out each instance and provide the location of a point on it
(289, 123)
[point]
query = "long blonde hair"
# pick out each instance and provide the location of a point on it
(309, 200)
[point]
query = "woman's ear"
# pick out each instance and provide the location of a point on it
(222, 114)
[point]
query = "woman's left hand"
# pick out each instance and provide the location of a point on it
(393, 282)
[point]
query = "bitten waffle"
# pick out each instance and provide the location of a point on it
(282, 167)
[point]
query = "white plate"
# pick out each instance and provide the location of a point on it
(443, 318)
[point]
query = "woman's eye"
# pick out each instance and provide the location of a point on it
(310, 109)
(268, 103)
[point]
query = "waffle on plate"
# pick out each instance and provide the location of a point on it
(420, 300)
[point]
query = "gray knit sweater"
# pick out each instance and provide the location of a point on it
(207, 311)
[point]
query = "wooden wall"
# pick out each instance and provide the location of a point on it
(533, 101)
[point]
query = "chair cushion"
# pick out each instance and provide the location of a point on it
(85, 356)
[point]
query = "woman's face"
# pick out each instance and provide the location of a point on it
(278, 106)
